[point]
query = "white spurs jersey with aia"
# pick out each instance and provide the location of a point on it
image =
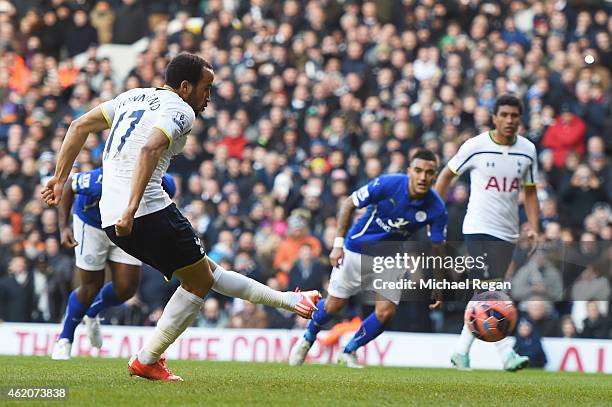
(132, 116)
(497, 172)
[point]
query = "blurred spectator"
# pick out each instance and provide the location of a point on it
(6, 238)
(567, 133)
(583, 192)
(592, 284)
(592, 112)
(102, 18)
(211, 315)
(58, 261)
(278, 318)
(549, 213)
(224, 248)
(307, 273)
(80, 35)
(51, 34)
(251, 316)
(289, 249)
(511, 35)
(568, 329)
(538, 278)
(130, 22)
(457, 207)
(245, 264)
(539, 313)
(19, 292)
(59, 286)
(528, 343)
(234, 140)
(598, 162)
(595, 325)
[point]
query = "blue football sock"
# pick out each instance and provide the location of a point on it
(106, 298)
(319, 318)
(369, 330)
(74, 314)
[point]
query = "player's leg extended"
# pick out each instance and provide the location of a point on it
(511, 360)
(179, 313)
(166, 240)
(182, 309)
(326, 310)
(78, 302)
(236, 285)
(370, 328)
(461, 357)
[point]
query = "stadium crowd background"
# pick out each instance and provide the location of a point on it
(313, 99)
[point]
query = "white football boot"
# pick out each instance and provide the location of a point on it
(299, 352)
(93, 331)
(61, 350)
(349, 360)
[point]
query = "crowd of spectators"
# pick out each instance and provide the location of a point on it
(313, 98)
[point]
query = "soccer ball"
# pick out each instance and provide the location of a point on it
(491, 316)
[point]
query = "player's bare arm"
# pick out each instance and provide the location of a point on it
(91, 122)
(532, 208)
(64, 209)
(347, 207)
(147, 161)
(444, 181)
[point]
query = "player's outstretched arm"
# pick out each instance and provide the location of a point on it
(147, 161)
(444, 181)
(91, 122)
(64, 209)
(347, 207)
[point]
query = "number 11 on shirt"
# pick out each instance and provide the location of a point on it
(136, 115)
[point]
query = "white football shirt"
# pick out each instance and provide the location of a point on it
(497, 172)
(132, 115)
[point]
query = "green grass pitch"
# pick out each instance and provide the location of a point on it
(105, 382)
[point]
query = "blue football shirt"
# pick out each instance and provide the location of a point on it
(391, 214)
(88, 189)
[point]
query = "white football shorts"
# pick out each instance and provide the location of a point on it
(345, 279)
(95, 248)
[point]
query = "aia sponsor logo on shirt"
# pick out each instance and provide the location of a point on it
(502, 184)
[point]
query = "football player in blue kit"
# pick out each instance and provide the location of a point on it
(92, 250)
(398, 205)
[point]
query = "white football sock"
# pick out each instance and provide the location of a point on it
(466, 339)
(504, 347)
(179, 313)
(236, 285)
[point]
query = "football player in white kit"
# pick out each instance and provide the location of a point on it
(148, 127)
(500, 163)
